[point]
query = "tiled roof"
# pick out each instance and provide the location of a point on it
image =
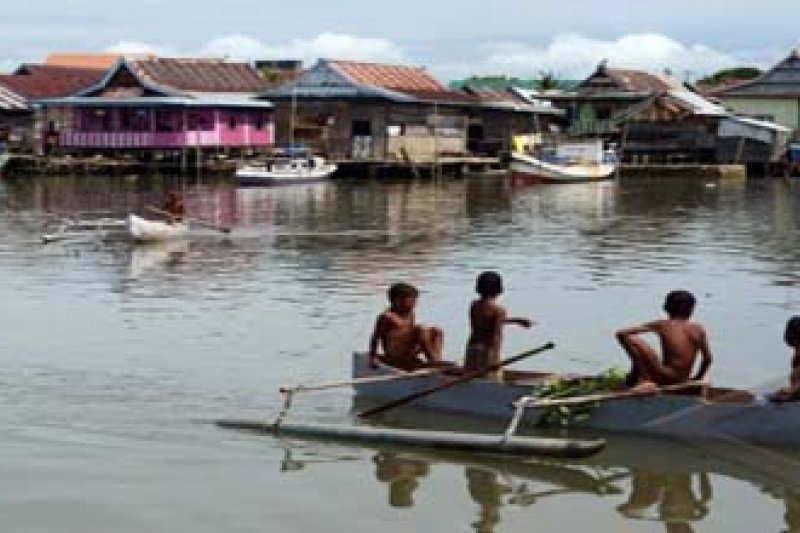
(392, 77)
(200, 75)
(92, 61)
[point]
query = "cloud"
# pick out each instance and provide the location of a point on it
(576, 56)
(9, 65)
(329, 45)
(246, 48)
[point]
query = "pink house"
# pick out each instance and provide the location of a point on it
(163, 104)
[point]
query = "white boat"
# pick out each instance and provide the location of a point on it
(565, 163)
(285, 170)
(143, 230)
(717, 414)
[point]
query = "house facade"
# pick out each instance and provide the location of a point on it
(680, 126)
(773, 96)
(591, 107)
(162, 104)
(369, 111)
(20, 129)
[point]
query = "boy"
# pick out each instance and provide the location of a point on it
(174, 208)
(487, 319)
(792, 338)
(402, 340)
(681, 340)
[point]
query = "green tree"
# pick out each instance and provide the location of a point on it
(546, 81)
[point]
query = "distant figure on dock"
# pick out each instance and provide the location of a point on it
(487, 319)
(404, 342)
(792, 338)
(174, 207)
(681, 340)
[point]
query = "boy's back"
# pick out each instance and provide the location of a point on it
(681, 341)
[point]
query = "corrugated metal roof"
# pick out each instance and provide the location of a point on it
(11, 101)
(81, 60)
(393, 77)
(200, 75)
(46, 82)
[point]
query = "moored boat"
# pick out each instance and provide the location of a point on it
(285, 171)
(716, 414)
(565, 163)
(143, 230)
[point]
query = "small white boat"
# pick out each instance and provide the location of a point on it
(143, 230)
(718, 414)
(285, 170)
(566, 163)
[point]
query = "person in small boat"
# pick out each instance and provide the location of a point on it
(406, 344)
(681, 341)
(487, 318)
(175, 209)
(792, 338)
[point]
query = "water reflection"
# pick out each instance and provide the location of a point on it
(668, 497)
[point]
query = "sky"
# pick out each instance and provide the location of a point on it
(451, 39)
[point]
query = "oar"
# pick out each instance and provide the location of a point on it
(533, 402)
(201, 223)
(462, 379)
(360, 381)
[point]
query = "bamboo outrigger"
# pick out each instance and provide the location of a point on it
(409, 438)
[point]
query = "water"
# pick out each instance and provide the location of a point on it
(114, 359)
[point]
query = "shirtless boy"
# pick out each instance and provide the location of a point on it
(405, 344)
(792, 339)
(487, 319)
(681, 340)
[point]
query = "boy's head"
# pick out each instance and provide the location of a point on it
(489, 284)
(679, 304)
(792, 334)
(403, 296)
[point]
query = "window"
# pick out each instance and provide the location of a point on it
(233, 121)
(131, 119)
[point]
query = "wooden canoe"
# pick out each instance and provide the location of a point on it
(143, 230)
(440, 440)
(717, 414)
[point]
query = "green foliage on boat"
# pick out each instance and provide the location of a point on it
(610, 380)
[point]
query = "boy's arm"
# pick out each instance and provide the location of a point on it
(377, 334)
(705, 353)
(650, 327)
(520, 321)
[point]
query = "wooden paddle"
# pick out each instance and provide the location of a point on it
(201, 223)
(533, 402)
(423, 372)
(461, 379)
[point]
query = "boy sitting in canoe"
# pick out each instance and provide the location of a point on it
(403, 341)
(792, 339)
(174, 207)
(487, 319)
(681, 340)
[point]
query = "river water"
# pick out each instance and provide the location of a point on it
(116, 359)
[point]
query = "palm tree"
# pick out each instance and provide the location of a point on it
(547, 81)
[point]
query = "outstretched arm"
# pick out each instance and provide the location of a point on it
(705, 353)
(520, 321)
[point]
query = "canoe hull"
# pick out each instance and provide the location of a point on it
(143, 230)
(670, 415)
